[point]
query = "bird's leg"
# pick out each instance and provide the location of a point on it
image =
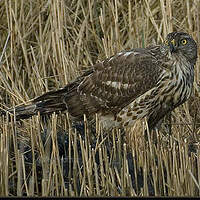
(163, 124)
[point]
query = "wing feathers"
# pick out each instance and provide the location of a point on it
(118, 80)
(107, 86)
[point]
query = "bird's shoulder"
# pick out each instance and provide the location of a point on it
(129, 66)
(152, 58)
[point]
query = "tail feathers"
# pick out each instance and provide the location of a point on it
(45, 104)
(44, 108)
(67, 98)
(23, 112)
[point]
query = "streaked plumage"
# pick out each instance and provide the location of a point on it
(144, 82)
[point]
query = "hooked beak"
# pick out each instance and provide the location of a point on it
(172, 46)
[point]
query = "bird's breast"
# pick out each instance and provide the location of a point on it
(177, 87)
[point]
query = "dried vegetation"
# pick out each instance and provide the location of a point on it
(44, 45)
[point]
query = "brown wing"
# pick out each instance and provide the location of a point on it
(106, 87)
(114, 83)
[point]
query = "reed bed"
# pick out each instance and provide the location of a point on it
(45, 45)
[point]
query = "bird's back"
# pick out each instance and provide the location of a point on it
(115, 82)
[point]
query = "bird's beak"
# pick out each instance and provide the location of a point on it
(172, 46)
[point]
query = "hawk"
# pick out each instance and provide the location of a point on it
(142, 82)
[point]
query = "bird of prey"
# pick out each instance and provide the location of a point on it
(142, 82)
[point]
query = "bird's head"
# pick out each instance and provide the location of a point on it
(182, 43)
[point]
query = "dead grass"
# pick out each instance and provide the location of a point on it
(46, 44)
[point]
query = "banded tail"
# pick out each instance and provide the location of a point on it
(50, 102)
(45, 104)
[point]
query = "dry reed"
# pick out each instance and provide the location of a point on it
(44, 45)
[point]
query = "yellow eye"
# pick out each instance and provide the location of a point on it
(166, 42)
(184, 41)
